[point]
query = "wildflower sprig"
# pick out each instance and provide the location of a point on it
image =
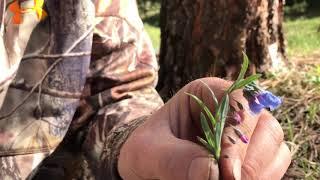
(213, 132)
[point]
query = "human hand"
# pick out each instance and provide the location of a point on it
(165, 147)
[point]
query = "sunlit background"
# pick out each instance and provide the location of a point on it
(298, 85)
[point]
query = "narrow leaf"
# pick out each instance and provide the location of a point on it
(222, 115)
(207, 130)
(244, 67)
(215, 100)
(205, 108)
(206, 144)
(246, 81)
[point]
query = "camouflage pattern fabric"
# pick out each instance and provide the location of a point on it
(120, 87)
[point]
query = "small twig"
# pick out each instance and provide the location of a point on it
(54, 56)
(47, 72)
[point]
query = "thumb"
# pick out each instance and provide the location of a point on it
(182, 159)
(145, 156)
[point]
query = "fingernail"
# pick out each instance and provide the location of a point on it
(237, 169)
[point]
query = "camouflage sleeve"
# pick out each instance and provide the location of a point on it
(16, 28)
(123, 74)
(120, 89)
(110, 155)
(43, 96)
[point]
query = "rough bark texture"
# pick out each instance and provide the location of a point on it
(206, 38)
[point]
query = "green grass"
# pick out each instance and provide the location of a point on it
(154, 33)
(151, 19)
(300, 87)
(302, 35)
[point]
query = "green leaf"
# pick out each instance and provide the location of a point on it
(205, 108)
(244, 67)
(221, 115)
(246, 81)
(224, 109)
(207, 130)
(206, 144)
(215, 100)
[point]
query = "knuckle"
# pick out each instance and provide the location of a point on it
(250, 170)
(273, 127)
(211, 81)
(249, 129)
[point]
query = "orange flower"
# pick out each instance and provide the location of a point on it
(18, 11)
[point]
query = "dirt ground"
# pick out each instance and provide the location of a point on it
(299, 86)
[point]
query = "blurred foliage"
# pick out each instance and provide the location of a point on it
(146, 6)
(154, 33)
(302, 21)
(299, 84)
(302, 35)
(299, 7)
(150, 14)
(314, 76)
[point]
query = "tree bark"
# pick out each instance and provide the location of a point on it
(206, 38)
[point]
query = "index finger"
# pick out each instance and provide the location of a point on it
(233, 150)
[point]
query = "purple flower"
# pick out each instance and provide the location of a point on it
(244, 139)
(242, 136)
(236, 116)
(264, 99)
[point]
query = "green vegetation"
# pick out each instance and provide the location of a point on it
(151, 19)
(154, 33)
(303, 35)
(299, 85)
(302, 32)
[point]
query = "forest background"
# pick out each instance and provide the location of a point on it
(298, 84)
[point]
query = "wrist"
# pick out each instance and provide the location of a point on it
(114, 142)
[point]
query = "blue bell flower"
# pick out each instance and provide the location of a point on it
(264, 99)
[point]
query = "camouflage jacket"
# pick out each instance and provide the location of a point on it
(118, 87)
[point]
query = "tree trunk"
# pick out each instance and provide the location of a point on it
(206, 38)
